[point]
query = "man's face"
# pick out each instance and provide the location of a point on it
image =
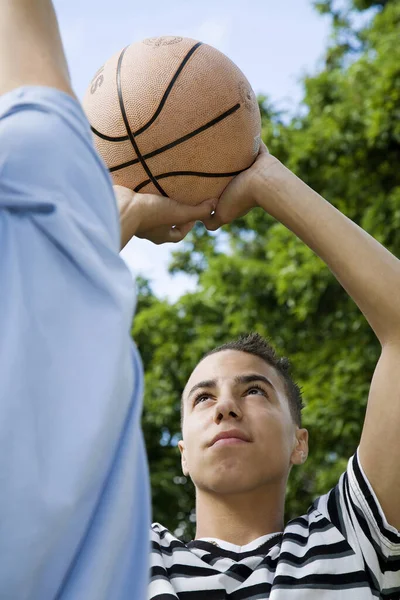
(233, 390)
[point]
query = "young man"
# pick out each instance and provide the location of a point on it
(348, 543)
(242, 434)
(74, 500)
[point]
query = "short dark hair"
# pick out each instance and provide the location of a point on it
(255, 344)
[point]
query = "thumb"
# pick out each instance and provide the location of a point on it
(178, 233)
(184, 213)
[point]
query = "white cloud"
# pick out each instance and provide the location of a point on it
(216, 32)
(151, 261)
(74, 34)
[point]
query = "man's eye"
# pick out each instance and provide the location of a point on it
(257, 389)
(200, 398)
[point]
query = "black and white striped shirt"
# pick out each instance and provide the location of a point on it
(343, 548)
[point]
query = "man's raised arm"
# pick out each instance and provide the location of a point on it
(31, 51)
(371, 276)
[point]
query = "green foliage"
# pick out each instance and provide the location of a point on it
(328, 6)
(257, 276)
(365, 4)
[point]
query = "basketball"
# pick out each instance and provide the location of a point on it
(173, 116)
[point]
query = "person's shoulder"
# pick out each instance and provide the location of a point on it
(158, 528)
(162, 536)
(49, 164)
(44, 99)
(326, 512)
(159, 532)
(315, 519)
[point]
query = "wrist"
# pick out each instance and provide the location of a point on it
(269, 181)
(129, 213)
(129, 224)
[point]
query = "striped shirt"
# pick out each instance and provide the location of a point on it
(342, 548)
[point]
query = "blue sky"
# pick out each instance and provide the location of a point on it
(275, 43)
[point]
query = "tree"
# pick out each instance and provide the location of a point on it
(256, 275)
(328, 6)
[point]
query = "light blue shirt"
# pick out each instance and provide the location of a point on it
(74, 486)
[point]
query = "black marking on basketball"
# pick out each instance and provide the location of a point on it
(123, 138)
(186, 173)
(128, 129)
(180, 140)
(169, 88)
(160, 106)
(124, 165)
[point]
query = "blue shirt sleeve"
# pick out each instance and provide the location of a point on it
(74, 489)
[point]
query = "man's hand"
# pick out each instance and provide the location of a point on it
(240, 196)
(157, 218)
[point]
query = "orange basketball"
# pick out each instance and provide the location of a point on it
(173, 116)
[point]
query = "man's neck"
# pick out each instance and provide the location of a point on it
(240, 518)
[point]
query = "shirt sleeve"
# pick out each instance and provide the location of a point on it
(354, 509)
(74, 501)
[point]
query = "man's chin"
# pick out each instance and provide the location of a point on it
(229, 483)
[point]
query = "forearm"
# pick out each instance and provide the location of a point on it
(367, 271)
(31, 51)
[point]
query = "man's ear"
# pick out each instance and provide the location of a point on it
(300, 450)
(185, 470)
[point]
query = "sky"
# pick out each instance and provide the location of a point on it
(274, 43)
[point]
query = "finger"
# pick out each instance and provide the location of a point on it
(158, 211)
(213, 223)
(183, 213)
(183, 230)
(178, 233)
(165, 234)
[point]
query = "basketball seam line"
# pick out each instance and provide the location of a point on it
(128, 129)
(169, 88)
(187, 173)
(160, 106)
(179, 140)
(123, 138)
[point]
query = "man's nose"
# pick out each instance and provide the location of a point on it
(227, 407)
